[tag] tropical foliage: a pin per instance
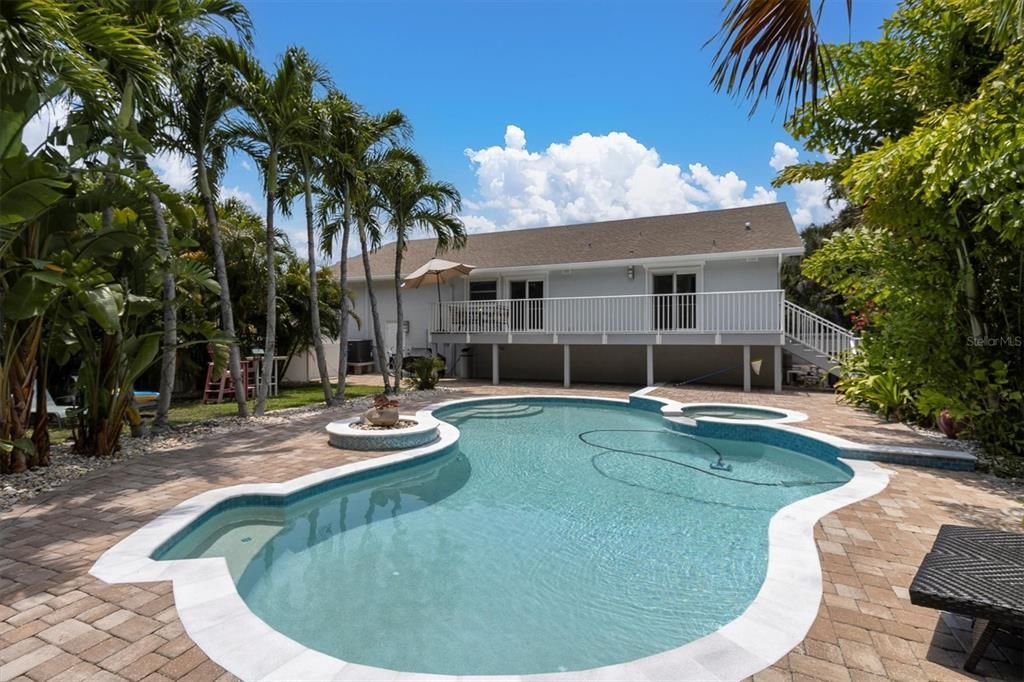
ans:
(108, 277)
(922, 133)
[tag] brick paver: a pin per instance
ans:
(57, 622)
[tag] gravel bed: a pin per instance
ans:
(66, 466)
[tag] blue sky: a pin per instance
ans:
(464, 71)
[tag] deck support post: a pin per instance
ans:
(777, 368)
(746, 369)
(566, 366)
(650, 365)
(494, 364)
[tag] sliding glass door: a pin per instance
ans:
(527, 303)
(675, 301)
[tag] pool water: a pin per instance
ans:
(731, 412)
(559, 535)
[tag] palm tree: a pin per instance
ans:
(276, 121)
(766, 43)
(361, 152)
(306, 163)
(772, 42)
(176, 27)
(413, 201)
(342, 119)
(199, 112)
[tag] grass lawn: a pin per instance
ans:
(293, 396)
(288, 396)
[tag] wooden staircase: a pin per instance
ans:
(815, 339)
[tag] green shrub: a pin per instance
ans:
(426, 372)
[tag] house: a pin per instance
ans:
(692, 297)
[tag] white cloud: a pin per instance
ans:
(237, 192)
(478, 223)
(515, 137)
(783, 155)
(811, 195)
(592, 177)
(246, 165)
(39, 127)
(172, 169)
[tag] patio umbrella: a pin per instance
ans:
(435, 271)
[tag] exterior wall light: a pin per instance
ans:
(629, 272)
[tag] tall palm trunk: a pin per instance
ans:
(378, 333)
(227, 315)
(314, 297)
(346, 233)
(399, 336)
(168, 360)
(271, 330)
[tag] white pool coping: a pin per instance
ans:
(219, 621)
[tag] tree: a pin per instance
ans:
(276, 120)
(360, 155)
(52, 50)
(203, 88)
(342, 120)
(179, 28)
(415, 202)
(306, 163)
(775, 44)
(803, 290)
(925, 137)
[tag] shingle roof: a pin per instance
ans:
(706, 232)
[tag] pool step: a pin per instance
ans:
(502, 411)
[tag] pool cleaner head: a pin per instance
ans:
(721, 465)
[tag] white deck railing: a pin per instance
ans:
(817, 333)
(705, 312)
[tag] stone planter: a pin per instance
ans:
(342, 434)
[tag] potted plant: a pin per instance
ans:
(384, 411)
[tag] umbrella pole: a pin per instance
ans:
(440, 316)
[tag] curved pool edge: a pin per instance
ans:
(219, 621)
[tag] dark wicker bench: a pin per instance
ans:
(974, 572)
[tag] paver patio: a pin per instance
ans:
(59, 623)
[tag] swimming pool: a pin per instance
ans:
(559, 534)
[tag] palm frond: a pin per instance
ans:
(772, 48)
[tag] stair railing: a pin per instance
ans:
(817, 333)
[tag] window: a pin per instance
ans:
(485, 290)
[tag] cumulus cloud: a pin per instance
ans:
(591, 178)
(172, 169)
(237, 192)
(812, 205)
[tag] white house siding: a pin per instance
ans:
(609, 363)
(416, 308)
(742, 275)
(595, 282)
